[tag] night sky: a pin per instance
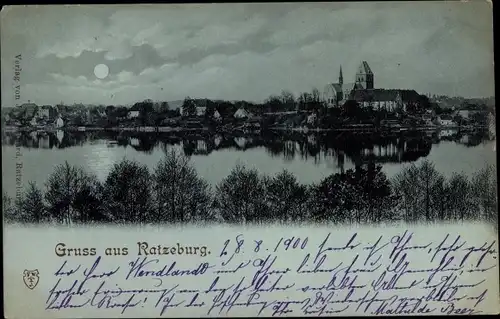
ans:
(243, 51)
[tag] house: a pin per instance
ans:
(241, 113)
(468, 114)
(430, 112)
(60, 136)
(7, 113)
(59, 122)
(387, 99)
(201, 110)
(134, 141)
(312, 118)
(379, 99)
(183, 111)
(29, 110)
(446, 120)
(132, 114)
(464, 139)
(217, 140)
(427, 118)
(170, 122)
(465, 114)
(43, 111)
(446, 133)
(46, 112)
(217, 116)
(241, 141)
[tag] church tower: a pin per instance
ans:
(364, 76)
(341, 78)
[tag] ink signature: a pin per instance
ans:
(387, 275)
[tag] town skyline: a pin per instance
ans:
(169, 52)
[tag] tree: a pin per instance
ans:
(10, 213)
(406, 189)
(226, 109)
(180, 194)
(63, 187)
(238, 197)
(427, 181)
(363, 194)
(164, 107)
(422, 191)
(439, 197)
(376, 191)
(301, 102)
(288, 100)
(32, 207)
(286, 197)
(460, 203)
(210, 110)
(274, 103)
(120, 111)
(479, 118)
(334, 199)
(352, 110)
(412, 107)
(484, 194)
(146, 112)
(188, 107)
(110, 109)
(79, 121)
(128, 192)
(174, 113)
(89, 201)
(316, 96)
(316, 103)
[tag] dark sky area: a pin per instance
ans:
(243, 51)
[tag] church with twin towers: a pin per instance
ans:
(362, 90)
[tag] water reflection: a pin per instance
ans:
(357, 147)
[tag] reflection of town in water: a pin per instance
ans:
(356, 146)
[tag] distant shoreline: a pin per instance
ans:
(162, 129)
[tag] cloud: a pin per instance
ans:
(125, 76)
(71, 81)
(169, 32)
(119, 52)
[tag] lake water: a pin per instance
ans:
(311, 157)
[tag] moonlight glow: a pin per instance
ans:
(101, 71)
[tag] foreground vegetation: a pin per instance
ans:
(174, 193)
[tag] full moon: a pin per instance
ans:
(101, 71)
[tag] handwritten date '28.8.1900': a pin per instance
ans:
(295, 276)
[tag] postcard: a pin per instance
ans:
(249, 160)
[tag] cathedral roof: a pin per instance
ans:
(352, 86)
(364, 68)
(385, 95)
(336, 87)
(345, 87)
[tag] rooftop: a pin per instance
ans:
(364, 68)
(385, 95)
